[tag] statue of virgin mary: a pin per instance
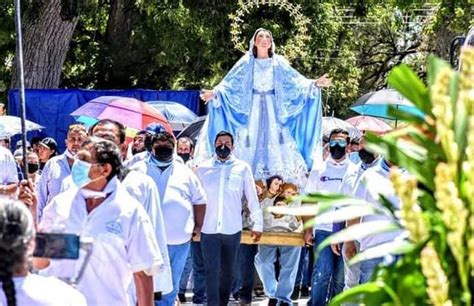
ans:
(272, 110)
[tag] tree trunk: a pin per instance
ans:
(117, 48)
(48, 27)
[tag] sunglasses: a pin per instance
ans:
(340, 142)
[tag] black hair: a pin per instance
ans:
(270, 180)
(279, 199)
(16, 224)
(188, 140)
(35, 140)
(254, 49)
(107, 152)
(164, 137)
(119, 126)
(224, 133)
(340, 131)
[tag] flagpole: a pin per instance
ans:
(21, 79)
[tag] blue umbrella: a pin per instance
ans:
(178, 115)
(377, 104)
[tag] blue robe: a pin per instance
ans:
(288, 110)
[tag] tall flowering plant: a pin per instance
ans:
(435, 265)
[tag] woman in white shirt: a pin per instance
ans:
(19, 286)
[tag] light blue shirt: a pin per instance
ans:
(52, 177)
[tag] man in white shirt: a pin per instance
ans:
(59, 167)
(226, 180)
(348, 187)
(124, 247)
(328, 270)
(8, 173)
(183, 201)
(375, 182)
(141, 187)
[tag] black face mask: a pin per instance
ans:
(185, 156)
(223, 151)
(164, 153)
(366, 156)
(337, 152)
(32, 168)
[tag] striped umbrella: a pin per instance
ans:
(131, 112)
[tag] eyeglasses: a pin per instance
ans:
(340, 142)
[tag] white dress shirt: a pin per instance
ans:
(374, 183)
(124, 242)
(52, 177)
(143, 188)
(328, 178)
(225, 184)
(44, 291)
(179, 190)
(8, 172)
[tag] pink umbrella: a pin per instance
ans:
(366, 123)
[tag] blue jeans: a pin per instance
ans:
(219, 252)
(244, 272)
(328, 272)
(188, 268)
(264, 262)
(305, 268)
(178, 255)
(199, 280)
(367, 268)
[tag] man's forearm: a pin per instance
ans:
(144, 286)
(199, 213)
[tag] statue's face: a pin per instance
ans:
(263, 40)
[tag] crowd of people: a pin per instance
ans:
(157, 217)
(160, 210)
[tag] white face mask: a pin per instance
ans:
(92, 194)
(69, 154)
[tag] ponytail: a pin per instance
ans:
(8, 285)
(16, 231)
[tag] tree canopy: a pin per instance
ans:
(187, 44)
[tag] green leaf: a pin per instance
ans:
(395, 247)
(435, 64)
(349, 212)
(409, 85)
(357, 293)
(359, 231)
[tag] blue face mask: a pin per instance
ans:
(156, 162)
(80, 173)
(354, 157)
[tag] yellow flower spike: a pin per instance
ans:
(436, 280)
(411, 213)
(453, 211)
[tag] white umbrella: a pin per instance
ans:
(11, 125)
(331, 123)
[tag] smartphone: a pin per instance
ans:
(57, 246)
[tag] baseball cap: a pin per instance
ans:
(49, 143)
(19, 144)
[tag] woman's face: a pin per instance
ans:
(263, 40)
(275, 186)
(289, 192)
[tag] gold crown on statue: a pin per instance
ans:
(295, 46)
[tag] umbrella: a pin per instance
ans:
(377, 104)
(192, 130)
(366, 123)
(331, 123)
(178, 115)
(11, 125)
(132, 113)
